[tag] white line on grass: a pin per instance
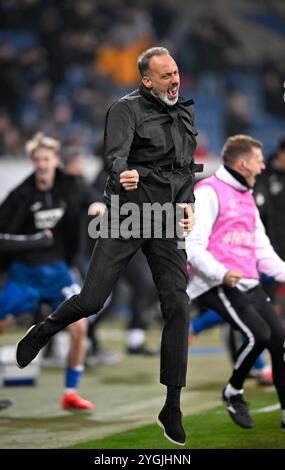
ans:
(267, 409)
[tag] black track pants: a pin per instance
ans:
(253, 315)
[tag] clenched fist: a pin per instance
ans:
(129, 179)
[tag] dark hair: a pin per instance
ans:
(144, 58)
(238, 145)
(68, 154)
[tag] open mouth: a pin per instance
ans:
(172, 92)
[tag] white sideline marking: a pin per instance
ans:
(267, 409)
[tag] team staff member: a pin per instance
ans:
(270, 199)
(227, 249)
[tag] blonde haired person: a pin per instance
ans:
(48, 200)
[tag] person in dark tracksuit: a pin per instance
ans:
(228, 249)
(149, 147)
(270, 199)
(47, 200)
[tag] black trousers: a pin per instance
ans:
(168, 266)
(253, 315)
(143, 294)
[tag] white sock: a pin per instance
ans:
(135, 338)
(230, 391)
(79, 368)
(283, 415)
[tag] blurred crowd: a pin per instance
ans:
(62, 63)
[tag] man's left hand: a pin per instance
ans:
(187, 223)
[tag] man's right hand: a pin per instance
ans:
(232, 277)
(129, 179)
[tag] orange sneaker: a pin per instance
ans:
(73, 400)
(265, 377)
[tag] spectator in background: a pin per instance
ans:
(237, 118)
(126, 41)
(11, 82)
(11, 141)
(215, 45)
(163, 14)
(108, 56)
(273, 79)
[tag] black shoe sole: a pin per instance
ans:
(166, 435)
(18, 365)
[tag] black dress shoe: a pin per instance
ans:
(143, 350)
(170, 420)
(30, 345)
